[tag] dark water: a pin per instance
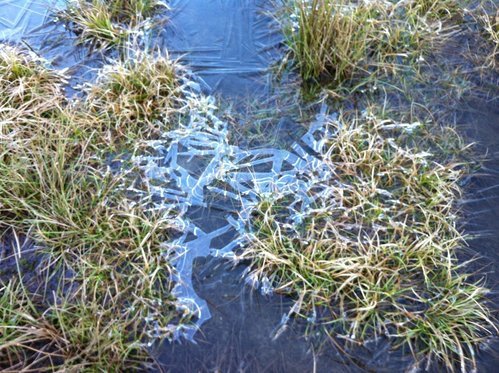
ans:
(231, 45)
(228, 43)
(481, 205)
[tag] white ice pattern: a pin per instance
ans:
(231, 173)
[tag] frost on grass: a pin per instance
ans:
(25, 80)
(371, 243)
(487, 17)
(139, 97)
(106, 24)
(351, 220)
(343, 45)
(101, 292)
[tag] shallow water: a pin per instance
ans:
(230, 45)
(481, 203)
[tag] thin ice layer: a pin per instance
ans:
(19, 18)
(227, 177)
(228, 43)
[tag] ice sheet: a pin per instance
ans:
(228, 43)
(230, 177)
(19, 18)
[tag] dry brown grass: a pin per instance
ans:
(104, 283)
(138, 96)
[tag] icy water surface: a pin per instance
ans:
(481, 203)
(230, 45)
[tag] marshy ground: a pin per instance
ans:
(366, 234)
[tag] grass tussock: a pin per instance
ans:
(138, 96)
(103, 290)
(25, 82)
(107, 306)
(377, 247)
(339, 44)
(435, 9)
(487, 16)
(103, 24)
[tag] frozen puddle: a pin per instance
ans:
(19, 18)
(227, 43)
(197, 167)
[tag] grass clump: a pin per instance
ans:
(137, 96)
(374, 245)
(26, 82)
(340, 44)
(104, 24)
(103, 289)
(109, 302)
(435, 9)
(489, 22)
